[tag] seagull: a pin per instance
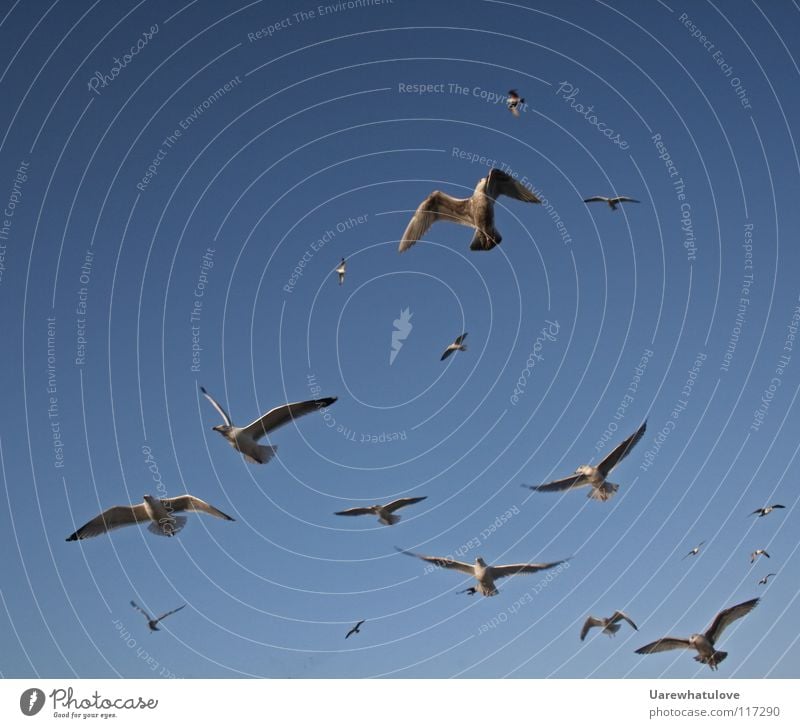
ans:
(612, 201)
(757, 553)
(695, 550)
(609, 624)
(601, 489)
(153, 622)
(765, 579)
(245, 439)
(158, 511)
(703, 643)
(513, 102)
(766, 510)
(486, 575)
(457, 345)
(476, 212)
(471, 591)
(385, 513)
(355, 630)
(341, 270)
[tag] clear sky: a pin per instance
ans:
(158, 206)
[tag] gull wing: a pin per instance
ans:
(499, 183)
(402, 503)
(449, 350)
(436, 206)
(662, 645)
(108, 520)
(137, 607)
(573, 481)
(500, 572)
(624, 199)
(588, 624)
(172, 611)
(190, 503)
(442, 561)
(726, 616)
(356, 512)
(596, 198)
(620, 616)
(610, 461)
(460, 340)
(217, 406)
(279, 416)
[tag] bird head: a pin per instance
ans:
(479, 561)
(222, 429)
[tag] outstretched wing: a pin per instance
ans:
(573, 481)
(662, 645)
(610, 461)
(356, 512)
(596, 198)
(620, 616)
(217, 406)
(442, 561)
(402, 503)
(279, 416)
(436, 206)
(137, 607)
(500, 572)
(460, 339)
(114, 517)
(726, 616)
(166, 614)
(624, 199)
(588, 624)
(500, 183)
(190, 503)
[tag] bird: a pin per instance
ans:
(153, 622)
(457, 345)
(385, 513)
(476, 211)
(355, 630)
(245, 439)
(757, 553)
(471, 591)
(609, 624)
(341, 270)
(601, 489)
(486, 575)
(766, 510)
(703, 643)
(695, 550)
(612, 201)
(157, 511)
(765, 579)
(514, 102)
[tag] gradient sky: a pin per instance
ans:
(301, 138)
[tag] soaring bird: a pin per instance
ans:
(457, 345)
(158, 512)
(695, 550)
(757, 553)
(476, 212)
(766, 510)
(609, 624)
(485, 575)
(470, 590)
(245, 439)
(153, 622)
(612, 201)
(341, 270)
(355, 630)
(385, 513)
(601, 489)
(514, 102)
(765, 579)
(703, 643)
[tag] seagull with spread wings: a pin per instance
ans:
(694, 551)
(245, 439)
(766, 510)
(385, 513)
(457, 345)
(476, 212)
(153, 622)
(514, 102)
(159, 513)
(757, 553)
(484, 574)
(596, 477)
(703, 643)
(341, 269)
(609, 624)
(355, 630)
(765, 579)
(612, 201)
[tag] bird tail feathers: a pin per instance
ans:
(167, 526)
(604, 491)
(260, 454)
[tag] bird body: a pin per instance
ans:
(385, 512)
(610, 625)
(356, 629)
(765, 579)
(152, 623)
(341, 270)
(695, 550)
(757, 553)
(513, 102)
(766, 510)
(457, 345)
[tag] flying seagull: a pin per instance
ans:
(609, 624)
(341, 270)
(457, 345)
(476, 212)
(703, 643)
(765, 579)
(514, 102)
(695, 550)
(157, 511)
(385, 513)
(245, 439)
(485, 575)
(612, 201)
(601, 489)
(757, 553)
(766, 510)
(471, 591)
(153, 622)
(355, 630)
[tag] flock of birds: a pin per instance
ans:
(476, 212)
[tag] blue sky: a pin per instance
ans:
(302, 138)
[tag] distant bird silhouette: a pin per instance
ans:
(766, 510)
(514, 102)
(612, 201)
(341, 270)
(765, 579)
(471, 591)
(703, 643)
(695, 550)
(609, 624)
(153, 622)
(385, 513)
(601, 489)
(457, 345)
(355, 630)
(757, 553)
